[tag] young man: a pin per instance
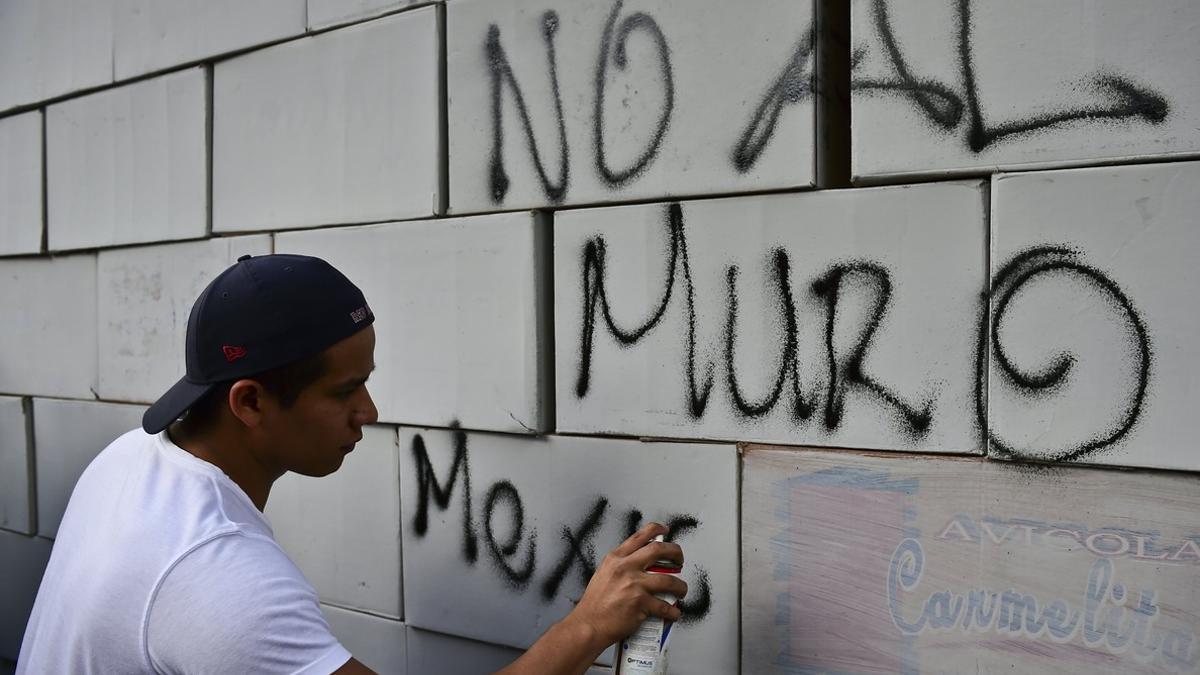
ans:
(164, 563)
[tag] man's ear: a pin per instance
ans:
(246, 401)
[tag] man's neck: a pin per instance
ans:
(231, 456)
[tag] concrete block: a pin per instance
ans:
(600, 102)
(16, 466)
(463, 330)
(128, 165)
(150, 36)
(944, 87)
(1094, 356)
(502, 532)
(22, 562)
(881, 564)
(51, 350)
(53, 47)
(67, 437)
(842, 318)
(376, 642)
(343, 530)
(430, 652)
(341, 127)
(325, 13)
(21, 183)
(145, 297)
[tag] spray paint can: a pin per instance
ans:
(645, 651)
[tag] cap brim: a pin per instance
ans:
(171, 405)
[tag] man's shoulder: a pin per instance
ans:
(236, 554)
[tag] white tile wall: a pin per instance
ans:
(47, 347)
(323, 13)
(528, 493)
(343, 531)
(377, 643)
(337, 128)
(128, 165)
(460, 331)
(53, 47)
(1133, 227)
(145, 298)
(67, 437)
(21, 183)
(153, 35)
(16, 512)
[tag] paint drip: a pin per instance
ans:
(645, 651)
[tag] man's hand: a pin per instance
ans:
(618, 598)
(620, 595)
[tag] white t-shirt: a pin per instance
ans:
(163, 565)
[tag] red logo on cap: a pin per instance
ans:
(233, 353)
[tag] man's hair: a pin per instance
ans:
(285, 383)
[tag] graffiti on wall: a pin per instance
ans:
(514, 558)
(849, 337)
(951, 102)
(794, 84)
(1116, 98)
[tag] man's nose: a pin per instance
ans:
(367, 413)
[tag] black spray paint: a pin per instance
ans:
(1120, 98)
(789, 368)
(636, 21)
(845, 371)
(595, 297)
(845, 363)
(505, 491)
(1020, 270)
(501, 74)
(578, 550)
(793, 85)
(428, 486)
(578, 542)
(612, 45)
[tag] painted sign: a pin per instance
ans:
(871, 563)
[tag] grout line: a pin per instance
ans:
(209, 80)
(983, 379)
(544, 318)
(832, 108)
(45, 243)
(443, 112)
(31, 463)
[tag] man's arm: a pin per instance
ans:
(619, 597)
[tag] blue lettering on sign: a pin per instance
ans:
(1108, 619)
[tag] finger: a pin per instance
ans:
(663, 610)
(640, 538)
(665, 583)
(653, 552)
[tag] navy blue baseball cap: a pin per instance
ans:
(261, 313)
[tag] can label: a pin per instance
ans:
(645, 651)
